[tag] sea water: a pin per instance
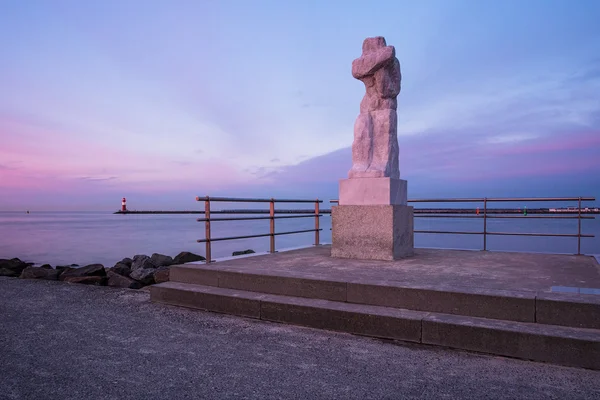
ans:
(60, 238)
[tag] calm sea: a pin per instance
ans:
(102, 237)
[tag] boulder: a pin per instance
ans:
(160, 260)
(121, 269)
(186, 257)
(242, 252)
(46, 266)
(39, 273)
(13, 267)
(142, 262)
(162, 274)
(143, 275)
(127, 261)
(86, 280)
(121, 281)
(88, 270)
(62, 267)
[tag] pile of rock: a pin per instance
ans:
(127, 273)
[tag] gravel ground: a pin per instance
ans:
(69, 341)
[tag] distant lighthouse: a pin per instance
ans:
(124, 205)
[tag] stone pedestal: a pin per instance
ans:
(372, 232)
(372, 191)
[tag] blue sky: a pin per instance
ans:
(161, 101)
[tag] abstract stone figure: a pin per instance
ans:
(375, 146)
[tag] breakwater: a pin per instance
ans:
(416, 211)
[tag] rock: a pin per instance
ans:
(143, 275)
(88, 270)
(162, 274)
(121, 269)
(142, 262)
(127, 261)
(121, 281)
(63, 269)
(46, 266)
(39, 273)
(242, 252)
(86, 280)
(67, 266)
(186, 257)
(13, 267)
(160, 260)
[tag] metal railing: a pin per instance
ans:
(494, 214)
(272, 217)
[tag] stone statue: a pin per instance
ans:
(375, 146)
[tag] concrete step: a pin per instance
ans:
(576, 347)
(572, 310)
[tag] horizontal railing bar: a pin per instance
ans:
(538, 216)
(500, 199)
(442, 215)
(540, 234)
(255, 236)
(494, 199)
(447, 216)
(509, 234)
(257, 218)
(252, 200)
(301, 231)
(452, 232)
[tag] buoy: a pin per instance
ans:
(477, 210)
(123, 205)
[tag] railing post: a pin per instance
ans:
(272, 220)
(207, 228)
(317, 239)
(485, 224)
(579, 229)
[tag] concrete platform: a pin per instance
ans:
(452, 268)
(497, 303)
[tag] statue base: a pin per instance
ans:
(372, 191)
(372, 232)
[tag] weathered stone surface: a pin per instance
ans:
(186, 257)
(144, 275)
(372, 232)
(127, 261)
(12, 267)
(142, 262)
(160, 260)
(86, 280)
(375, 146)
(116, 280)
(121, 269)
(39, 273)
(242, 252)
(373, 191)
(88, 270)
(162, 274)
(46, 266)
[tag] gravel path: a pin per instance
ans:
(69, 341)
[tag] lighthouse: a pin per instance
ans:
(123, 205)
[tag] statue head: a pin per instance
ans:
(372, 44)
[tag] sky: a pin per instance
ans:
(163, 101)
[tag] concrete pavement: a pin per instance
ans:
(69, 341)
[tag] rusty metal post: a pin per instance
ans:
(272, 230)
(579, 229)
(207, 229)
(485, 224)
(317, 239)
